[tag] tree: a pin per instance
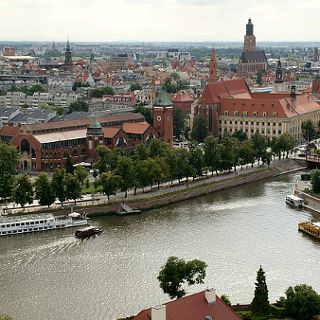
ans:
(135, 86)
(308, 130)
(68, 165)
(259, 145)
(286, 143)
(8, 166)
(79, 84)
(105, 155)
(240, 135)
(58, 185)
(315, 181)
(72, 187)
(126, 170)
(177, 272)
(146, 112)
(196, 160)
(200, 128)
(22, 190)
(301, 302)
(100, 92)
(212, 153)
(159, 170)
(142, 151)
(5, 317)
(178, 122)
(174, 83)
(246, 153)
(225, 299)
(110, 183)
(78, 105)
(81, 174)
(43, 190)
(260, 302)
(158, 148)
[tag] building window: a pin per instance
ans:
(230, 122)
(279, 124)
(235, 113)
(225, 113)
(252, 123)
(265, 114)
(255, 114)
(245, 113)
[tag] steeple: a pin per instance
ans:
(249, 38)
(212, 68)
(279, 73)
(249, 28)
(68, 55)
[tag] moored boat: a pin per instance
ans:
(87, 232)
(310, 228)
(294, 201)
(126, 210)
(39, 222)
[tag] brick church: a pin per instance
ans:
(251, 60)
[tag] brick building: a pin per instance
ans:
(251, 60)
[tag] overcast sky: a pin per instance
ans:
(158, 20)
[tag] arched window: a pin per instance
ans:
(25, 146)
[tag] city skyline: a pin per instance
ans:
(157, 21)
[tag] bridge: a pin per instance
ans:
(313, 160)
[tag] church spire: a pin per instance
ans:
(279, 73)
(68, 55)
(213, 68)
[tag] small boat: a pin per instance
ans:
(310, 228)
(126, 210)
(87, 232)
(39, 222)
(294, 201)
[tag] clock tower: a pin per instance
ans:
(249, 39)
(162, 117)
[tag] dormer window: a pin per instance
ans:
(245, 113)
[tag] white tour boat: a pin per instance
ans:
(39, 222)
(294, 201)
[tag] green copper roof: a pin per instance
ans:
(163, 99)
(94, 124)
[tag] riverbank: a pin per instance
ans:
(173, 194)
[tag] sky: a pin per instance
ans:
(158, 20)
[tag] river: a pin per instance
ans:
(53, 275)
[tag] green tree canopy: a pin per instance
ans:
(240, 135)
(110, 183)
(8, 166)
(78, 105)
(72, 187)
(81, 174)
(173, 83)
(301, 302)
(212, 153)
(135, 86)
(315, 181)
(308, 130)
(43, 190)
(179, 123)
(58, 184)
(22, 190)
(126, 170)
(146, 112)
(200, 128)
(177, 272)
(260, 302)
(79, 84)
(100, 92)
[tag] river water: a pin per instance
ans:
(55, 276)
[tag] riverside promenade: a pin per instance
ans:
(168, 193)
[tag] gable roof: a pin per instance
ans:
(193, 307)
(135, 127)
(253, 56)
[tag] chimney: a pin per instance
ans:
(158, 313)
(210, 295)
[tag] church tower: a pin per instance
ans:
(212, 68)
(68, 56)
(249, 38)
(94, 138)
(162, 117)
(279, 73)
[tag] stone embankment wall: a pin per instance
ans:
(310, 202)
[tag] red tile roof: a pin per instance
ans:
(135, 127)
(110, 132)
(193, 307)
(181, 96)
(9, 131)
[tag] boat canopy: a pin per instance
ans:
(74, 215)
(293, 197)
